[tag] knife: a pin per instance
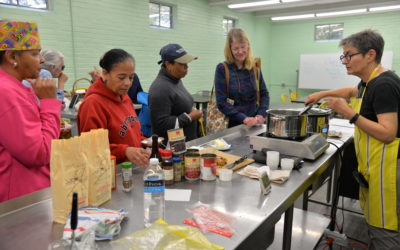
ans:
(74, 217)
(236, 162)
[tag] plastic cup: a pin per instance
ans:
(273, 159)
(225, 174)
(287, 163)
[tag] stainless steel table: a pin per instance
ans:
(31, 224)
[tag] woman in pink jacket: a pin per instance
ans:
(27, 127)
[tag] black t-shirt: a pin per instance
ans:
(381, 96)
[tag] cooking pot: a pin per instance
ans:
(318, 121)
(286, 124)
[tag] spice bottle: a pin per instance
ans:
(165, 154)
(113, 172)
(177, 162)
(126, 176)
(168, 172)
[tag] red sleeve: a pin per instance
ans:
(91, 115)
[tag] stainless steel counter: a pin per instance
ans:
(30, 226)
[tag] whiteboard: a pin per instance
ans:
(325, 71)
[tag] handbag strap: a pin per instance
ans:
(257, 73)
(226, 80)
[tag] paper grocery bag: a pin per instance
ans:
(68, 174)
(99, 164)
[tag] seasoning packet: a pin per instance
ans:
(105, 222)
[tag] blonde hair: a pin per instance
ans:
(238, 35)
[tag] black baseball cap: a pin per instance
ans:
(175, 53)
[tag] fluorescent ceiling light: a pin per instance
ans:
(252, 4)
(338, 13)
(392, 7)
(289, 1)
(281, 18)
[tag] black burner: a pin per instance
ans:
(265, 134)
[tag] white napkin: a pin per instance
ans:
(276, 176)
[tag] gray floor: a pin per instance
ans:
(354, 226)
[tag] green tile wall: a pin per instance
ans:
(290, 39)
(84, 29)
(99, 25)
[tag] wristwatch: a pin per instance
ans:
(354, 118)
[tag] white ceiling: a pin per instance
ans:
(305, 6)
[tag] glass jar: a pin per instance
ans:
(168, 172)
(177, 162)
(127, 176)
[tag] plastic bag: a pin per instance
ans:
(105, 222)
(211, 220)
(160, 235)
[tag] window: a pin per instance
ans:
(160, 15)
(328, 32)
(36, 4)
(227, 24)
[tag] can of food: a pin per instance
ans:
(208, 167)
(192, 150)
(192, 166)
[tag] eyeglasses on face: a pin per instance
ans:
(347, 57)
(242, 47)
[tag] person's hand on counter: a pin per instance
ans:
(250, 121)
(260, 119)
(138, 156)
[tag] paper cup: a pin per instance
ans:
(273, 159)
(225, 174)
(287, 163)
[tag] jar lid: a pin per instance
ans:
(126, 164)
(176, 159)
(167, 163)
(165, 152)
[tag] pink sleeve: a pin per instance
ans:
(27, 131)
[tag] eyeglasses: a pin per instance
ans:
(243, 47)
(348, 57)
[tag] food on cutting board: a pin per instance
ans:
(220, 144)
(221, 161)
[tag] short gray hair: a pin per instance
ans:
(365, 40)
(51, 57)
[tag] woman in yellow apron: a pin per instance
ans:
(374, 109)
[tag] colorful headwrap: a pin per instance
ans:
(16, 35)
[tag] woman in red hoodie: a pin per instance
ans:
(108, 106)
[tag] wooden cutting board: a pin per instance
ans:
(229, 158)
